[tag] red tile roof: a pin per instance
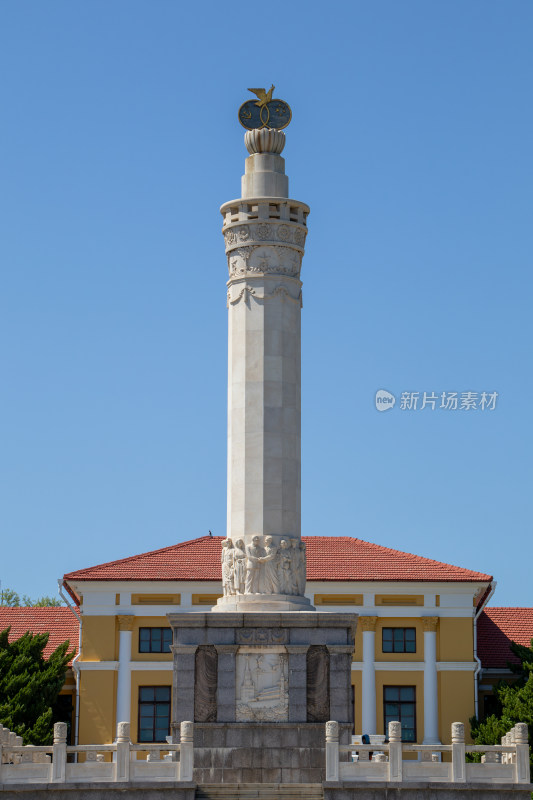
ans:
(59, 621)
(497, 628)
(329, 558)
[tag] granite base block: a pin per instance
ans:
(426, 791)
(261, 752)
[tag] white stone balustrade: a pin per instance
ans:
(118, 762)
(507, 763)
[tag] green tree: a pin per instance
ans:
(515, 700)
(30, 685)
(9, 597)
(45, 600)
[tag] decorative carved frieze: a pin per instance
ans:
(261, 635)
(271, 231)
(262, 567)
(255, 259)
(238, 292)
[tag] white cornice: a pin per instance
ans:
(417, 666)
(146, 666)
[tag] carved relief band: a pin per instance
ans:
(263, 568)
(205, 683)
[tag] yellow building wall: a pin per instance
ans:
(99, 639)
(390, 678)
(144, 678)
(357, 683)
(456, 702)
(455, 640)
(97, 706)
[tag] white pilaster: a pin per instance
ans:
(431, 704)
(125, 624)
(368, 703)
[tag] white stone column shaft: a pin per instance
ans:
(368, 701)
(264, 233)
(431, 704)
(125, 623)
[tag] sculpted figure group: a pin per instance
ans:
(263, 568)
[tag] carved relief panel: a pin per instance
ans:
(262, 684)
(205, 683)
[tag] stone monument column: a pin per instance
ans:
(264, 232)
(260, 683)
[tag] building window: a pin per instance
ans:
(154, 713)
(399, 705)
(155, 640)
(399, 640)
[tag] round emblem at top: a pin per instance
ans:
(265, 112)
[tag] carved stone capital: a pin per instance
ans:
(60, 732)
(184, 649)
(332, 731)
(458, 732)
(123, 732)
(368, 623)
(186, 731)
(395, 731)
(430, 624)
(340, 649)
(521, 733)
(226, 648)
(125, 622)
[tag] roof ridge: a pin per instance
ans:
(403, 553)
(127, 559)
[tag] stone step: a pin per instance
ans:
(260, 791)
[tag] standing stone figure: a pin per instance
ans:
(270, 561)
(239, 566)
(295, 565)
(254, 553)
(285, 567)
(227, 559)
(302, 573)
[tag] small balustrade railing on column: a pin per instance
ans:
(505, 763)
(61, 763)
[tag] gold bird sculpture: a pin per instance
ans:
(264, 97)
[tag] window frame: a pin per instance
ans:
(154, 702)
(154, 628)
(404, 641)
(400, 703)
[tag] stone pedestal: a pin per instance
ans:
(260, 688)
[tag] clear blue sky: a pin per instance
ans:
(411, 141)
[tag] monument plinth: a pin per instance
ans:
(263, 671)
